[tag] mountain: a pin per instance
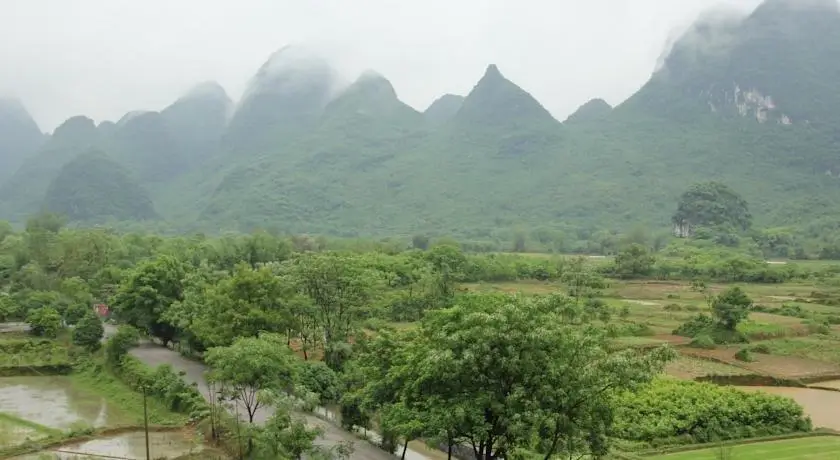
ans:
(94, 188)
(594, 110)
(198, 120)
(287, 95)
(443, 109)
(749, 101)
(23, 192)
(496, 102)
(19, 136)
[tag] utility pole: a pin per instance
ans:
(146, 423)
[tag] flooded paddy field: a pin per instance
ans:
(130, 445)
(54, 402)
(822, 406)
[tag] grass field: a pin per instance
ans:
(813, 448)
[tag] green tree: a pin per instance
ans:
(500, 371)
(251, 365)
(148, 292)
(9, 309)
(712, 204)
(88, 333)
(340, 287)
(284, 437)
(44, 322)
(120, 343)
(731, 308)
(634, 261)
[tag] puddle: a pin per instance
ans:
(822, 406)
(126, 446)
(55, 403)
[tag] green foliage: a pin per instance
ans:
(679, 412)
(703, 341)
(148, 292)
(731, 308)
(744, 354)
(32, 352)
(118, 345)
(93, 187)
(251, 365)
(164, 384)
(634, 261)
(318, 378)
(44, 322)
(88, 332)
(462, 375)
(712, 204)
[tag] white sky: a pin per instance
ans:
(103, 58)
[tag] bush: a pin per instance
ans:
(745, 355)
(318, 378)
(818, 328)
(761, 349)
(671, 411)
(832, 319)
(164, 384)
(703, 341)
(88, 333)
(692, 308)
(700, 324)
(118, 345)
(45, 322)
(672, 307)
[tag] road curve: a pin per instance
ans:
(155, 355)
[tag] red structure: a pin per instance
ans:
(101, 309)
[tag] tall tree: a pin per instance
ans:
(711, 204)
(251, 365)
(148, 292)
(508, 370)
(339, 287)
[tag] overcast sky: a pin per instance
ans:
(103, 58)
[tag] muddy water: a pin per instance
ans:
(128, 445)
(822, 406)
(55, 403)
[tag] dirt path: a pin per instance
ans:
(154, 355)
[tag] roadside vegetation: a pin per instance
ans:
(500, 355)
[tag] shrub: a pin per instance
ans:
(673, 411)
(45, 322)
(703, 341)
(700, 324)
(691, 308)
(761, 349)
(88, 333)
(832, 319)
(672, 307)
(745, 355)
(818, 328)
(318, 378)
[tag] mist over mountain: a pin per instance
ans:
(19, 136)
(94, 188)
(749, 100)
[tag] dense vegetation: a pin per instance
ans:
(494, 165)
(385, 331)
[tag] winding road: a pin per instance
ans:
(155, 355)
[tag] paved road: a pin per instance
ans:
(154, 355)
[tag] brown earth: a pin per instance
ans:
(782, 367)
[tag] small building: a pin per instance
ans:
(101, 309)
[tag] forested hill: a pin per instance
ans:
(750, 102)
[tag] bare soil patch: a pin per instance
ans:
(782, 367)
